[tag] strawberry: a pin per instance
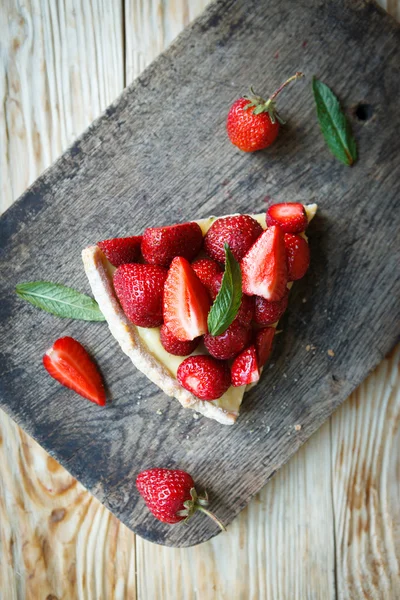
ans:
(267, 312)
(139, 289)
(228, 344)
(204, 376)
(298, 256)
(68, 362)
(186, 301)
(120, 251)
(246, 309)
(206, 269)
(264, 339)
(175, 346)
(264, 271)
(239, 232)
(253, 123)
(245, 369)
(161, 244)
(171, 496)
(290, 216)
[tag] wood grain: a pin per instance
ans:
(96, 179)
(191, 563)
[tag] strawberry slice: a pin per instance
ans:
(298, 256)
(264, 271)
(120, 251)
(186, 301)
(264, 339)
(245, 369)
(68, 362)
(290, 216)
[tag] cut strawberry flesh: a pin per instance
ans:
(186, 301)
(245, 368)
(264, 271)
(291, 217)
(68, 362)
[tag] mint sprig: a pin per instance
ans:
(60, 300)
(227, 303)
(334, 125)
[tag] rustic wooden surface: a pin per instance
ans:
(261, 535)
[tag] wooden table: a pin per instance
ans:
(327, 526)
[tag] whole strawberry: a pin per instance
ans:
(253, 123)
(171, 496)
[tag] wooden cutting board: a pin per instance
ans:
(160, 155)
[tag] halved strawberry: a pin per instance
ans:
(161, 244)
(264, 271)
(68, 362)
(238, 231)
(245, 369)
(267, 312)
(290, 216)
(139, 289)
(120, 251)
(228, 344)
(264, 339)
(298, 256)
(186, 301)
(206, 269)
(174, 346)
(204, 376)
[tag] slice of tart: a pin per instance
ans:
(156, 292)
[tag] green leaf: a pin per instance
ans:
(227, 303)
(334, 125)
(60, 300)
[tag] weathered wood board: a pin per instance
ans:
(160, 152)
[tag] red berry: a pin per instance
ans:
(171, 496)
(245, 368)
(239, 232)
(206, 269)
(228, 344)
(264, 271)
(253, 123)
(165, 491)
(247, 131)
(139, 289)
(264, 339)
(246, 309)
(290, 216)
(298, 256)
(120, 251)
(267, 312)
(204, 376)
(161, 244)
(175, 346)
(186, 301)
(68, 362)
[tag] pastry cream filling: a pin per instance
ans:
(232, 399)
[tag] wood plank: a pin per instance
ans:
(366, 468)
(57, 75)
(94, 167)
(280, 546)
(62, 64)
(151, 25)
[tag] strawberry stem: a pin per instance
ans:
(213, 517)
(292, 78)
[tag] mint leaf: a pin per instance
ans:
(227, 303)
(334, 125)
(60, 300)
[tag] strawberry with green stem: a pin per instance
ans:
(253, 123)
